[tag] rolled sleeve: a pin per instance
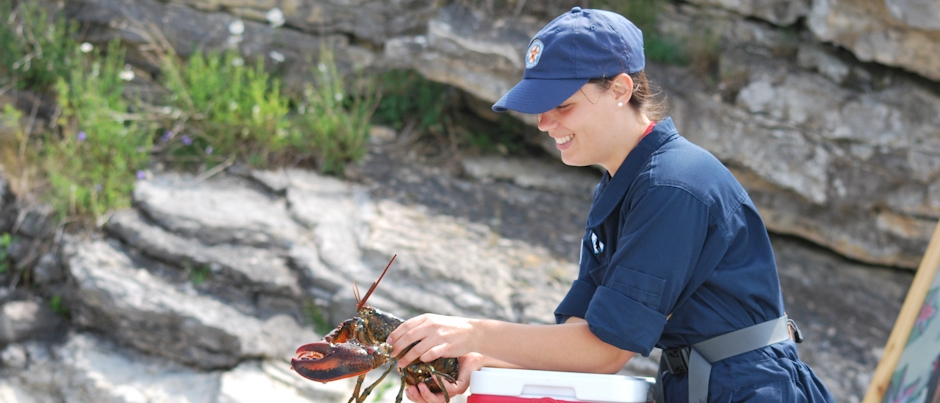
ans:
(606, 316)
(576, 302)
(657, 249)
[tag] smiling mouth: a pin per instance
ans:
(563, 140)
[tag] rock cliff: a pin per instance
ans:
(824, 109)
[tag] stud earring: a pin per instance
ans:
(619, 104)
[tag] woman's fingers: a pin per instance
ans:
(422, 393)
(433, 336)
(420, 330)
(428, 396)
(434, 352)
(401, 337)
(459, 387)
(412, 393)
(410, 356)
(418, 352)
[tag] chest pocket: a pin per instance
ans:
(641, 287)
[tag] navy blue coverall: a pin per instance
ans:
(676, 253)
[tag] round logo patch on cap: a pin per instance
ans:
(533, 54)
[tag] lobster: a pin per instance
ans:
(358, 346)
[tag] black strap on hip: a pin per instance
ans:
(697, 359)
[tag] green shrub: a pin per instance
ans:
(227, 109)
(313, 315)
(408, 99)
(381, 390)
(643, 13)
(336, 117)
(100, 150)
(35, 50)
(506, 136)
(5, 240)
(219, 108)
(199, 274)
(16, 157)
(657, 46)
(58, 305)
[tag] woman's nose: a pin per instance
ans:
(547, 121)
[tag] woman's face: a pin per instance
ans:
(585, 129)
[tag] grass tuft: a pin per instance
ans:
(410, 101)
(199, 274)
(216, 108)
(58, 305)
(5, 240)
(696, 51)
(335, 117)
(36, 49)
(227, 109)
(313, 315)
(99, 150)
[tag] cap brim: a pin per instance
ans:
(538, 95)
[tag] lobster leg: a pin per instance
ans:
(440, 382)
(355, 394)
(401, 390)
(368, 390)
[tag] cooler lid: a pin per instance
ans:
(571, 386)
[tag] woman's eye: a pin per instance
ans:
(564, 106)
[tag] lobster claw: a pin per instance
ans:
(324, 361)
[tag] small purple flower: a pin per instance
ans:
(186, 140)
(209, 150)
(141, 175)
(98, 187)
(166, 136)
(82, 136)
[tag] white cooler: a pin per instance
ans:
(499, 385)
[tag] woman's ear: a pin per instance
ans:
(622, 86)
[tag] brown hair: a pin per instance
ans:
(646, 98)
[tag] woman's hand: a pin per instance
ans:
(468, 363)
(517, 344)
(437, 336)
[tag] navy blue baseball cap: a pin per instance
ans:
(575, 47)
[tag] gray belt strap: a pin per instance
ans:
(728, 345)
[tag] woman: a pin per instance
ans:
(675, 254)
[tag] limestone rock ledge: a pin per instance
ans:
(160, 312)
(824, 108)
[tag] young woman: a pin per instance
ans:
(675, 255)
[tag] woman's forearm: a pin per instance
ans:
(566, 347)
(497, 363)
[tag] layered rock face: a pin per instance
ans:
(204, 291)
(825, 109)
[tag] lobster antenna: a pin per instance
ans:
(376, 283)
(356, 291)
